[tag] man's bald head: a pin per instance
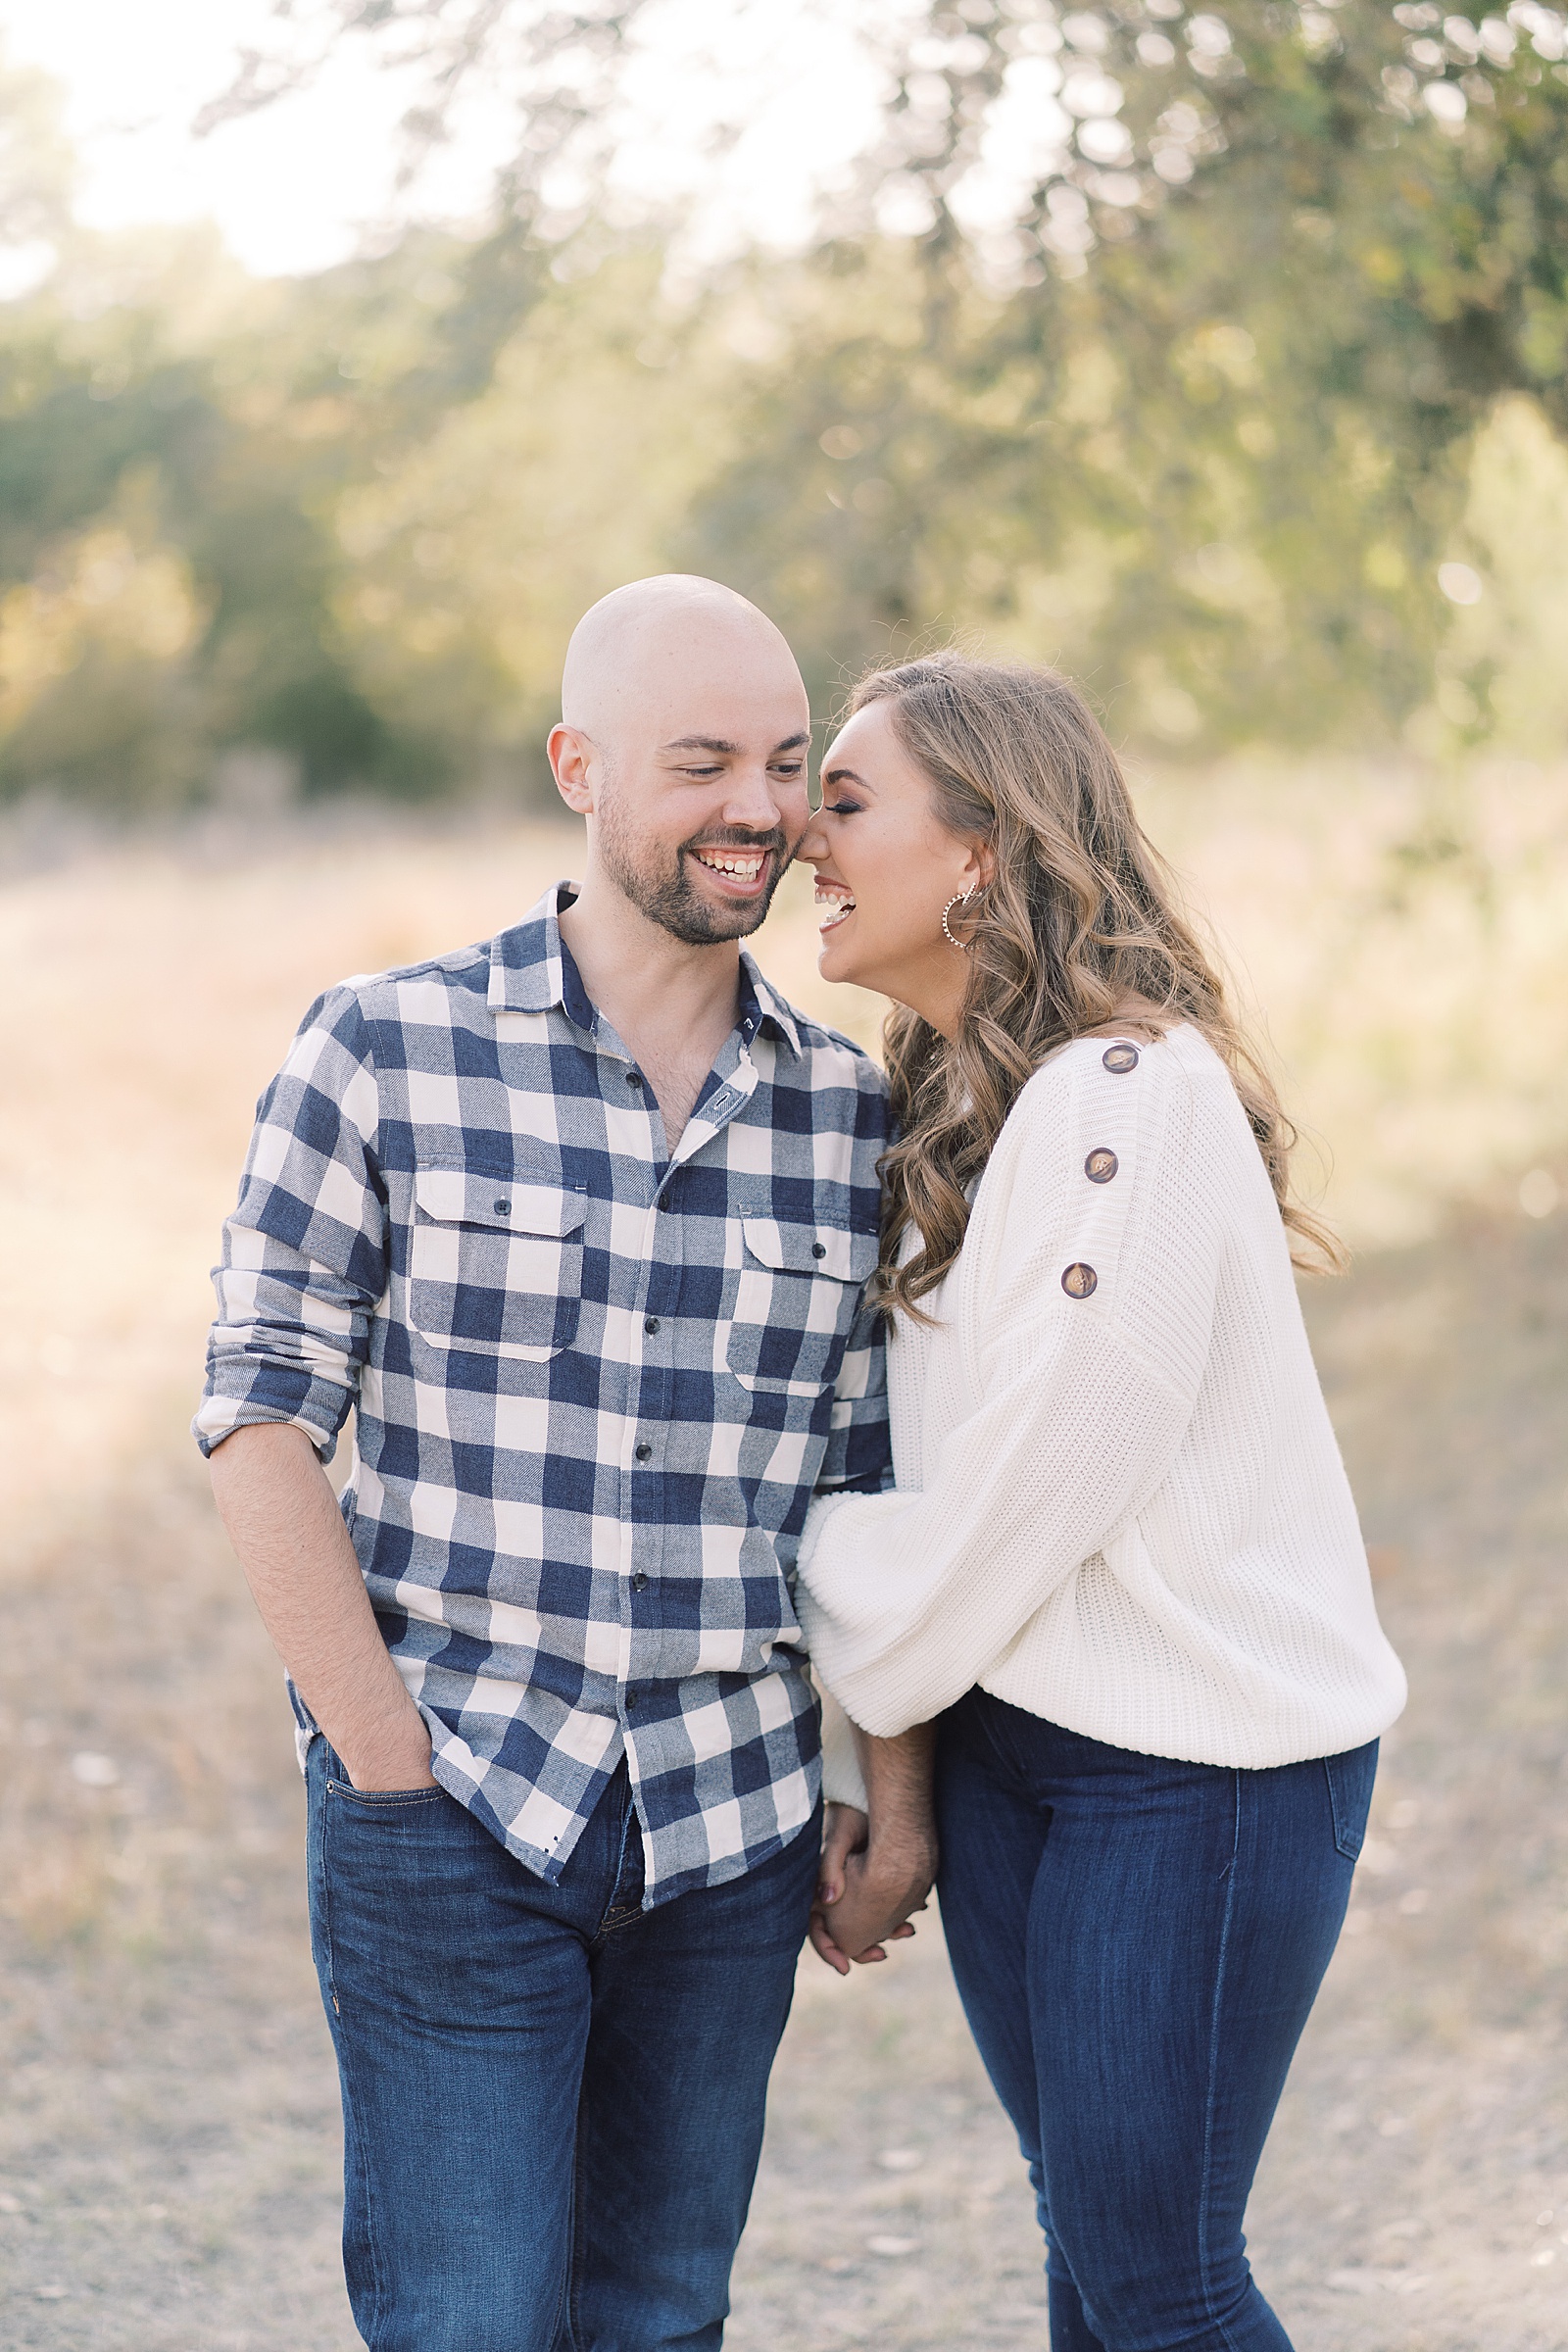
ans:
(667, 642)
(683, 739)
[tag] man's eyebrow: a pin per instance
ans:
(720, 743)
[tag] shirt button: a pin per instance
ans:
(1118, 1059)
(503, 1208)
(1079, 1281)
(645, 1453)
(639, 1582)
(1101, 1166)
(631, 1701)
(635, 1077)
(819, 1249)
(651, 1325)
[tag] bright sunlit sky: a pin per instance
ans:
(293, 187)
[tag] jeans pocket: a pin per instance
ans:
(337, 1783)
(380, 1799)
(1349, 1777)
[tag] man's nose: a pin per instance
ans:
(755, 798)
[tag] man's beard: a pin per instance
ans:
(669, 896)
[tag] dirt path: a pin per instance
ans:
(167, 2140)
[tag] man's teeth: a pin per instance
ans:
(740, 866)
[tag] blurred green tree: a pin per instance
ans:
(1204, 312)
(1206, 307)
(1187, 348)
(174, 586)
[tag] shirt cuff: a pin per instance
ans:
(220, 1416)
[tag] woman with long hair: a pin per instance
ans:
(1120, 1571)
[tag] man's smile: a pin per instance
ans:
(741, 869)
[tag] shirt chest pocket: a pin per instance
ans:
(495, 1266)
(795, 1304)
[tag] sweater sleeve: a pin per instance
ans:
(843, 1783)
(1084, 1305)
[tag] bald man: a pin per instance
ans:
(577, 1222)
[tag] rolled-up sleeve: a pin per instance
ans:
(304, 1253)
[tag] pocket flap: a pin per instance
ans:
(458, 1197)
(810, 1249)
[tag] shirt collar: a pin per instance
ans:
(531, 970)
(527, 967)
(763, 1007)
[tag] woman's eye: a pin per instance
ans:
(841, 808)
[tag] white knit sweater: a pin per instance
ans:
(1122, 1510)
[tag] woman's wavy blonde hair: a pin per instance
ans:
(1078, 928)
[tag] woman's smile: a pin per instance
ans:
(885, 869)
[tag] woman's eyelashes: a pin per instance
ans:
(842, 807)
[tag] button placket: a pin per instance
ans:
(640, 1538)
(716, 1114)
(729, 1098)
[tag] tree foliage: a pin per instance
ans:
(1206, 313)
(1161, 343)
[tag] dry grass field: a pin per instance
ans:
(168, 2136)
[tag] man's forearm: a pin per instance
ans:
(878, 1868)
(898, 1775)
(285, 1524)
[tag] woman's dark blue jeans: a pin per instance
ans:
(1138, 1943)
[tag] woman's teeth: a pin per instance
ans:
(832, 908)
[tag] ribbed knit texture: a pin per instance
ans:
(1127, 1512)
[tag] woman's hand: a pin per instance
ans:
(866, 1890)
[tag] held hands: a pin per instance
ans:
(867, 1889)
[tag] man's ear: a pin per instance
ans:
(571, 754)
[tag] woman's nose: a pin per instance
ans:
(813, 849)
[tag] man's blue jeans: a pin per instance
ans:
(1137, 1944)
(552, 2100)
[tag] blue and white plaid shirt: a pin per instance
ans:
(595, 1388)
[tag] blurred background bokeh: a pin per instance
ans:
(347, 351)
